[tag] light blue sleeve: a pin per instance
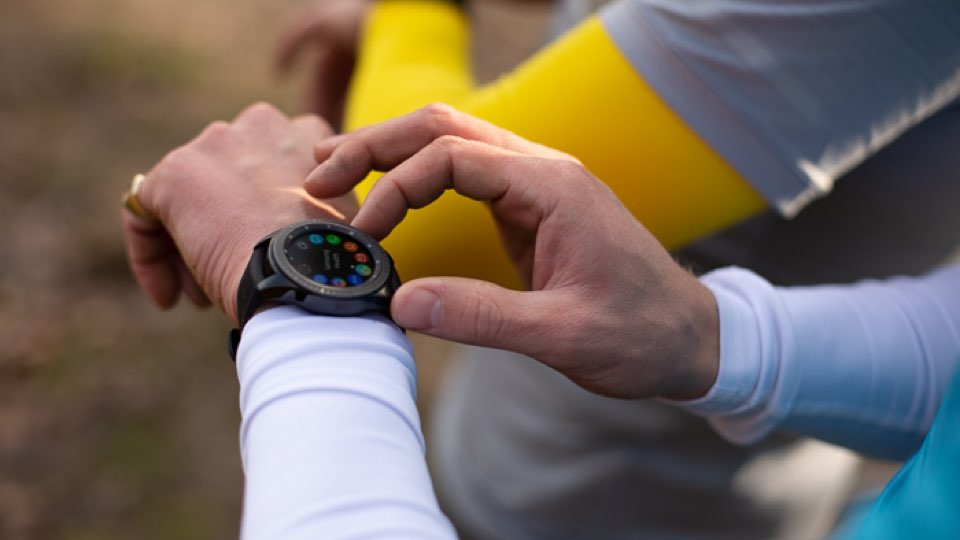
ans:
(923, 499)
(330, 435)
(864, 365)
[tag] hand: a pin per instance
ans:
(332, 28)
(216, 197)
(608, 306)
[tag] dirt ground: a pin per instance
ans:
(116, 420)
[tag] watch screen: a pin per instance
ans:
(329, 258)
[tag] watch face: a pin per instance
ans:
(331, 258)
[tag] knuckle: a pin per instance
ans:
(261, 108)
(570, 157)
(448, 143)
(439, 117)
(571, 170)
(215, 131)
(172, 163)
(316, 123)
(572, 175)
(181, 166)
(260, 113)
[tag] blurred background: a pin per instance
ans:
(117, 420)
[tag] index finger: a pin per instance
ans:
(510, 181)
(347, 159)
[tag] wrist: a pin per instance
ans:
(232, 274)
(700, 357)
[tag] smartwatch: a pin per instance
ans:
(322, 266)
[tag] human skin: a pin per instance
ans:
(331, 31)
(607, 306)
(216, 197)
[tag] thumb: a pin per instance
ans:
(473, 312)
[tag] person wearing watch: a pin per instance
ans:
(330, 436)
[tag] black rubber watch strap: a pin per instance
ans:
(248, 298)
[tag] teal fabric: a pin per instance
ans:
(923, 499)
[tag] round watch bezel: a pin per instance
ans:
(280, 263)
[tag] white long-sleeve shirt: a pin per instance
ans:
(331, 438)
(864, 366)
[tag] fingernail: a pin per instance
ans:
(420, 309)
(315, 174)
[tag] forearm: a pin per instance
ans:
(330, 437)
(864, 366)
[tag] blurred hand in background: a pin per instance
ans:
(328, 32)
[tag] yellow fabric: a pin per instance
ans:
(579, 95)
(412, 53)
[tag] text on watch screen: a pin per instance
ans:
(330, 259)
